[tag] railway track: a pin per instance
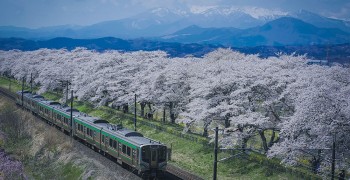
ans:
(173, 172)
(7, 93)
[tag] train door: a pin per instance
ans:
(154, 158)
(119, 149)
(106, 143)
(84, 132)
(134, 157)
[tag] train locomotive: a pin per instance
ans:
(130, 148)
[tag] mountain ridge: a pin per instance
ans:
(163, 21)
(279, 32)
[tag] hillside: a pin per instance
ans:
(280, 32)
(108, 43)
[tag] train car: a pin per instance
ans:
(130, 148)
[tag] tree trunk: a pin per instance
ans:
(172, 114)
(227, 121)
(149, 106)
(272, 139)
(150, 112)
(125, 108)
(205, 131)
(263, 139)
(244, 144)
(316, 162)
(143, 105)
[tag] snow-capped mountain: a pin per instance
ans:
(280, 32)
(255, 12)
(164, 21)
(321, 21)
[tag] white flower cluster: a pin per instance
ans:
(290, 105)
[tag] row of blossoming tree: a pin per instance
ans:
(291, 106)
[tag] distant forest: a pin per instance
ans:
(333, 53)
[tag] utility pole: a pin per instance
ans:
(135, 115)
(215, 153)
(22, 89)
(67, 92)
(333, 156)
(71, 113)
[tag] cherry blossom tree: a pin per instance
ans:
(290, 105)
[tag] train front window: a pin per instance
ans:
(145, 153)
(154, 155)
(162, 154)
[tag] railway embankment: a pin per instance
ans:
(32, 149)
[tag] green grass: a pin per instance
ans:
(52, 96)
(5, 83)
(69, 171)
(191, 156)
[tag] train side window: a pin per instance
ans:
(128, 152)
(110, 142)
(114, 144)
(124, 149)
(103, 138)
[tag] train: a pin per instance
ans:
(129, 148)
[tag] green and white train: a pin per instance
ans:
(128, 147)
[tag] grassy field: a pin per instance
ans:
(189, 155)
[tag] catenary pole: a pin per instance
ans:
(164, 114)
(135, 118)
(215, 154)
(71, 113)
(333, 156)
(31, 82)
(67, 92)
(22, 90)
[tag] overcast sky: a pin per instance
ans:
(41, 13)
